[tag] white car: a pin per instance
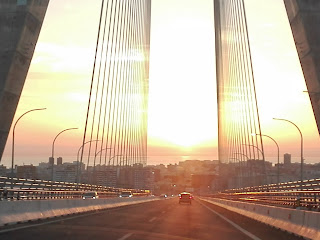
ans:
(90, 195)
(126, 194)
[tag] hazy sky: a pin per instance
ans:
(182, 96)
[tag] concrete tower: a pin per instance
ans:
(304, 18)
(20, 24)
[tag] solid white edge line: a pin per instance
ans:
(125, 236)
(249, 234)
(152, 219)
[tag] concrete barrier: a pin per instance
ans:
(300, 222)
(12, 212)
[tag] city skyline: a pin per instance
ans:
(182, 99)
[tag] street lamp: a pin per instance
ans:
(113, 158)
(77, 175)
(263, 135)
(263, 161)
(14, 127)
(94, 165)
(242, 155)
(95, 156)
(52, 155)
(256, 148)
(301, 168)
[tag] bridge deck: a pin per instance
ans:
(166, 219)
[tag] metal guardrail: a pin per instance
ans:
(309, 200)
(296, 194)
(305, 185)
(30, 189)
(5, 182)
(18, 194)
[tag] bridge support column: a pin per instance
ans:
(20, 24)
(304, 18)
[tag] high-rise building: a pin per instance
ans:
(3, 171)
(65, 172)
(143, 178)
(51, 161)
(59, 160)
(106, 177)
(287, 159)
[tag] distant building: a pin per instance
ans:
(44, 171)
(287, 159)
(59, 160)
(65, 173)
(143, 178)
(3, 171)
(157, 174)
(51, 161)
(106, 177)
(172, 168)
(27, 172)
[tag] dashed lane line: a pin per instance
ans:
(125, 236)
(152, 219)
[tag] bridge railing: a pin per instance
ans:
(295, 194)
(27, 194)
(7, 182)
(30, 189)
(309, 200)
(305, 185)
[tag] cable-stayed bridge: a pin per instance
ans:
(116, 131)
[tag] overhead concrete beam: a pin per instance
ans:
(20, 24)
(304, 18)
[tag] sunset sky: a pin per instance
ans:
(182, 96)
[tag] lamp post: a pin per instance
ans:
(14, 127)
(77, 174)
(94, 165)
(301, 168)
(250, 145)
(95, 156)
(278, 169)
(265, 180)
(52, 155)
(242, 155)
(113, 158)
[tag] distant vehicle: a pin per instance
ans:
(163, 195)
(126, 194)
(90, 195)
(185, 197)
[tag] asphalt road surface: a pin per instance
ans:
(164, 219)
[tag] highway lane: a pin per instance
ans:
(165, 219)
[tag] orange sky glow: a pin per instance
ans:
(182, 97)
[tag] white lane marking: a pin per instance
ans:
(249, 234)
(152, 219)
(125, 236)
